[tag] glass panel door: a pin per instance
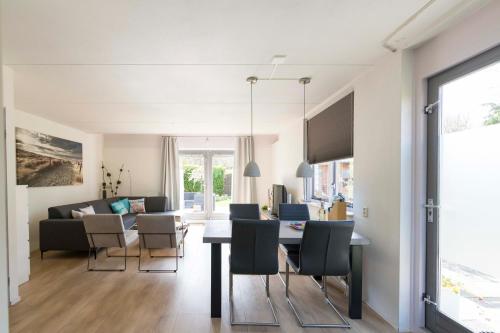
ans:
(193, 175)
(222, 181)
(206, 172)
(463, 274)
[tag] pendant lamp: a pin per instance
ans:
(304, 169)
(251, 169)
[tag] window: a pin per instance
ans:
(333, 178)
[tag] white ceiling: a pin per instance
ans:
(179, 67)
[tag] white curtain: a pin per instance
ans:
(170, 171)
(244, 188)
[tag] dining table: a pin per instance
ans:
(218, 232)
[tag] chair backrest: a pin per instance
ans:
(244, 211)
(293, 212)
(325, 248)
(254, 247)
(104, 230)
(157, 231)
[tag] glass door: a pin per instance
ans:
(463, 190)
(193, 184)
(206, 172)
(222, 181)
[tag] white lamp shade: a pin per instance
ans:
(252, 170)
(304, 170)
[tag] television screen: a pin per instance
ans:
(279, 196)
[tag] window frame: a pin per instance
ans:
(334, 177)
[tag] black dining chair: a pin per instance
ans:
(292, 212)
(244, 211)
(324, 251)
(254, 251)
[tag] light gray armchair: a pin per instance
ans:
(159, 232)
(107, 231)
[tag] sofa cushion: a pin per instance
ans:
(64, 211)
(126, 203)
(77, 214)
(100, 206)
(156, 204)
(87, 210)
(119, 208)
(137, 206)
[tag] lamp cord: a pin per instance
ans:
(304, 127)
(251, 123)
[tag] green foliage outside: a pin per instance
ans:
(218, 176)
(192, 184)
(493, 116)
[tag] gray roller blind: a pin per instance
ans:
(330, 133)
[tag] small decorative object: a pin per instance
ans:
(339, 209)
(270, 198)
(297, 225)
(45, 160)
(265, 208)
(108, 183)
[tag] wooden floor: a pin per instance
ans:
(62, 296)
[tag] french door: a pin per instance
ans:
(206, 186)
(463, 197)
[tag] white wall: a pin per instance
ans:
(41, 198)
(263, 146)
(8, 103)
(377, 153)
(466, 39)
(382, 148)
(141, 154)
(287, 155)
(4, 298)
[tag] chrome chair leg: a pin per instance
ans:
(244, 323)
(312, 278)
(160, 270)
(105, 270)
(345, 323)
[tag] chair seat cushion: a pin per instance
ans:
(293, 259)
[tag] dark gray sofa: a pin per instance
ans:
(61, 232)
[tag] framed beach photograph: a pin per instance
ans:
(45, 160)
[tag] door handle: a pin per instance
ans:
(430, 206)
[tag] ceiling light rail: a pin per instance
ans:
(278, 79)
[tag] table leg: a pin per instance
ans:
(356, 282)
(216, 281)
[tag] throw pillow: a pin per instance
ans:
(88, 210)
(119, 208)
(126, 204)
(137, 206)
(76, 214)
